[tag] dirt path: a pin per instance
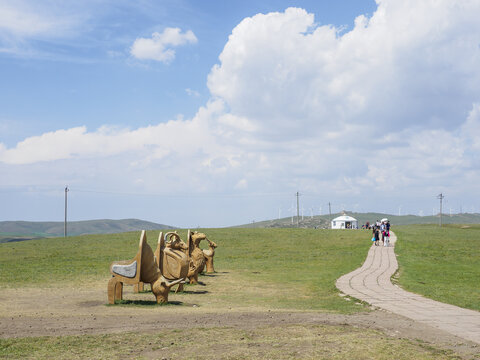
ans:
(371, 283)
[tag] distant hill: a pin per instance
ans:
(323, 221)
(26, 230)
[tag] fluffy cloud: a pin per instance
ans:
(408, 63)
(160, 46)
(389, 107)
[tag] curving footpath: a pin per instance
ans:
(371, 283)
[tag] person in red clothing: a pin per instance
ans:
(387, 234)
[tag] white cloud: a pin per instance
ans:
(191, 92)
(408, 64)
(389, 108)
(160, 46)
(25, 19)
(24, 22)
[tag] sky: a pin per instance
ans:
(215, 113)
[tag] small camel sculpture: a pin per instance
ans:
(142, 268)
(196, 258)
(170, 256)
(173, 264)
(208, 255)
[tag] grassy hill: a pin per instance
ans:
(26, 230)
(323, 221)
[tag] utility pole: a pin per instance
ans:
(440, 197)
(330, 212)
(65, 222)
(298, 208)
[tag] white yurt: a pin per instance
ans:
(344, 222)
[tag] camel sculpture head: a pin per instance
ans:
(173, 241)
(208, 255)
(195, 255)
(211, 244)
(197, 237)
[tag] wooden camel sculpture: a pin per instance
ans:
(208, 255)
(142, 268)
(170, 258)
(196, 260)
(195, 255)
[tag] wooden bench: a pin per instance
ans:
(141, 269)
(125, 272)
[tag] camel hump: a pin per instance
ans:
(149, 271)
(159, 249)
(190, 245)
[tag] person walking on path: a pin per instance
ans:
(376, 234)
(382, 230)
(387, 234)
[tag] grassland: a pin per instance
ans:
(441, 263)
(294, 268)
(258, 270)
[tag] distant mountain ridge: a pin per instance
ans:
(22, 230)
(323, 221)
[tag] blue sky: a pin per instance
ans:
(215, 113)
(87, 76)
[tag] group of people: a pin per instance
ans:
(383, 229)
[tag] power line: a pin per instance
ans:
(180, 195)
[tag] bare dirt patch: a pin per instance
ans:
(32, 312)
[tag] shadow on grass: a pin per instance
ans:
(211, 274)
(201, 292)
(152, 303)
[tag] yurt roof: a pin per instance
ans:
(344, 218)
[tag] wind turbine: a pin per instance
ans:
(292, 209)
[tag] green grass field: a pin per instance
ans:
(292, 269)
(302, 264)
(441, 263)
